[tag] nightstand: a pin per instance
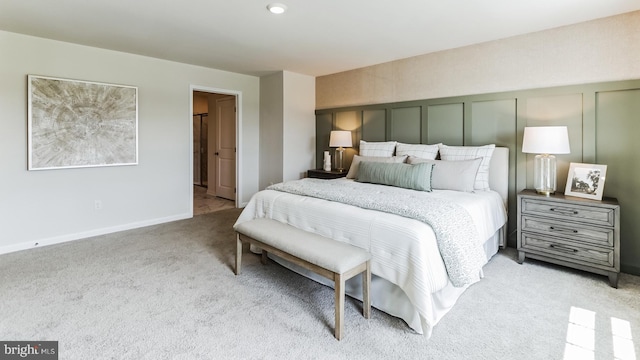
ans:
(579, 233)
(322, 174)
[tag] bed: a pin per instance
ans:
(410, 271)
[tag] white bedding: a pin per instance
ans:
(404, 251)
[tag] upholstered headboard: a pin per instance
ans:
(499, 173)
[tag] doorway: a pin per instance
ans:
(214, 150)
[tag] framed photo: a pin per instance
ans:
(76, 123)
(586, 180)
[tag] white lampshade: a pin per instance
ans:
(545, 141)
(340, 138)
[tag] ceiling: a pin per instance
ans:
(313, 37)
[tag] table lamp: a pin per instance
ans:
(545, 141)
(340, 139)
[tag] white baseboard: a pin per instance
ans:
(91, 233)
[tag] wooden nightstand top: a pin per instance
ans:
(561, 196)
(322, 174)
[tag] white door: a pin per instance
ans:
(225, 153)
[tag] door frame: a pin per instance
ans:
(238, 96)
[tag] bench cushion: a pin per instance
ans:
(327, 253)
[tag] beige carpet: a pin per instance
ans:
(168, 292)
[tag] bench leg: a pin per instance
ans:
(238, 254)
(339, 285)
(366, 285)
(264, 257)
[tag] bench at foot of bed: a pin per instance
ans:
(332, 259)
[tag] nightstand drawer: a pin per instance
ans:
(575, 231)
(564, 210)
(580, 253)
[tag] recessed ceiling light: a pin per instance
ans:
(277, 8)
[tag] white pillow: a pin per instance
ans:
(456, 153)
(451, 175)
(355, 163)
(422, 151)
(380, 149)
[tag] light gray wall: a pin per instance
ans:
(52, 206)
(287, 127)
(271, 129)
(299, 125)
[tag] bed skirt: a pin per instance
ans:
(390, 298)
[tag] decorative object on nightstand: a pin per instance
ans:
(340, 139)
(574, 232)
(323, 174)
(586, 180)
(327, 161)
(545, 141)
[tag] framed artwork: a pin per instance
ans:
(76, 124)
(586, 180)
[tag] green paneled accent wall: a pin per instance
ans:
(494, 122)
(374, 124)
(564, 110)
(348, 120)
(352, 121)
(405, 124)
(445, 123)
(603, 121)
(324, 125)
(617, 144)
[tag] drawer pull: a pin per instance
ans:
(564, 211)
(556, 229)
(562, 248)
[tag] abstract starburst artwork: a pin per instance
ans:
(81, 124)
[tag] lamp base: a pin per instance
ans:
(339, 159)
(544, 174)
(545, 192)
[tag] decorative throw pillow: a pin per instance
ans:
(380, 149)
(355, 163)
(416, 177)
(455, 153)
(422, 151)
(451, 175)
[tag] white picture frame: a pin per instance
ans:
(74, 124)
(586, 180)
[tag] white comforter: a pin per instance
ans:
(404, 251)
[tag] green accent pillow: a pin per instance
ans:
(416, 177)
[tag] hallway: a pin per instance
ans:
(204, 203)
